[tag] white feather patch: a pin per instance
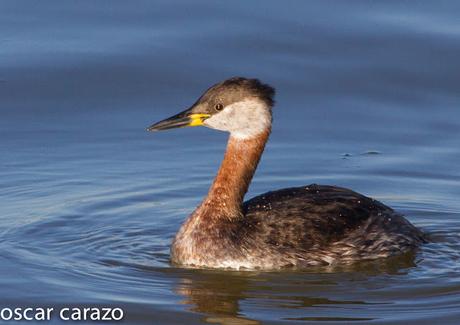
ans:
(244, 119)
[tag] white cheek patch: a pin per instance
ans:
(245, 119)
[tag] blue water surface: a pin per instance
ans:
(368, 97)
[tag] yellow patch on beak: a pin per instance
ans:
(197, 119)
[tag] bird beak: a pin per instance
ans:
(183, 119)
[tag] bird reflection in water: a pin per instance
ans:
(296, 296)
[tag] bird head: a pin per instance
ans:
(238, 105)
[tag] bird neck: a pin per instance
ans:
(225, 197)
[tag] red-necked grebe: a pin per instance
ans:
(293, 227)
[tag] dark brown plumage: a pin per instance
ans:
(236, 88)
(316, 224)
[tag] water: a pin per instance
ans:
(368, 98)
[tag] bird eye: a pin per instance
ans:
(219, 107)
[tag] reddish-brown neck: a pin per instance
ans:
(225, 197)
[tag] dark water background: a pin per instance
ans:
(368, 98)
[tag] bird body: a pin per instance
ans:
(294, 227)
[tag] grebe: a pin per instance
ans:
(292, 227)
